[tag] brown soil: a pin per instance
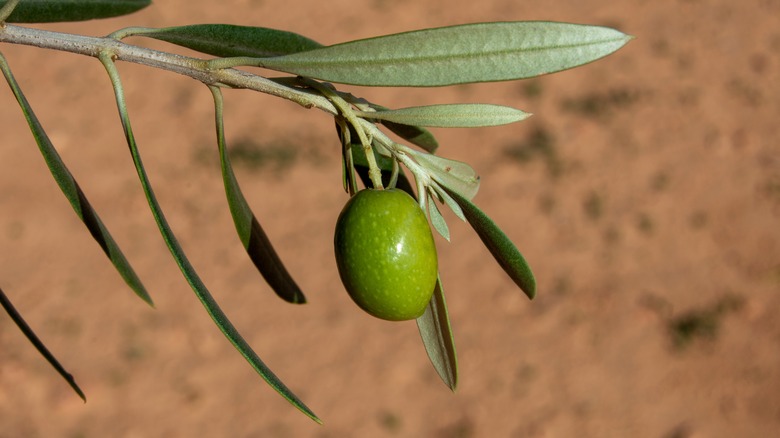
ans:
(645, 192)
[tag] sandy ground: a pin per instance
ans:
(645, 192)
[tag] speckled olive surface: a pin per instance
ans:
(385, 254)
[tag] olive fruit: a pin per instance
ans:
(385, 254)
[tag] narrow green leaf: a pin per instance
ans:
(252, 236)
(482, 52)
(503, 250)
(454, 175)
(460, 115)
(50, 11)
(451, 203)
(227, 40)
(437, 220)
(197, 285)
(436, 334)
(38, 344)
(70, 188)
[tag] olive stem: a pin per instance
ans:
(345, 109)
(348, 163)
(184, 65)
(399, 152)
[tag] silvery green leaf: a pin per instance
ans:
(437, 220)
(461, 115)
(481, 52)
(436, 334)
(454, 175)
(451, 204)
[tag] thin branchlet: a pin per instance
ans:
(188, 66)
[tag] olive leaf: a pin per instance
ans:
(72, 191)
(51, 11)
(461, 115)
(227, 40)
(437, 220)
(447, 199)
(28, 332)
(481, 52)
(197, 285)
(503, 250)
(436, 334)
(254, 239)
(455, 175)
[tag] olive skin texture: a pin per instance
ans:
(385, 254)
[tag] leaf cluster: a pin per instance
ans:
(470, 53)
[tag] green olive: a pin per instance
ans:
(385, 254)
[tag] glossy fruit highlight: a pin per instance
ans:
(385, 254)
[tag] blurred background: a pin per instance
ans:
(644, 192)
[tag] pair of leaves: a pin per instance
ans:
(454, 177)
(500, 246)
(51, 11)
(78, 200)
(251, 234)
(434, 324)
(72, 191)
(195, 282)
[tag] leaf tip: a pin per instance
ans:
(531, 292)
(628, 38)
(146, 298)
(527, 283)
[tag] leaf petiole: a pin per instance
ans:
(346, 111)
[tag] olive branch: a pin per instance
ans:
(481, 52)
